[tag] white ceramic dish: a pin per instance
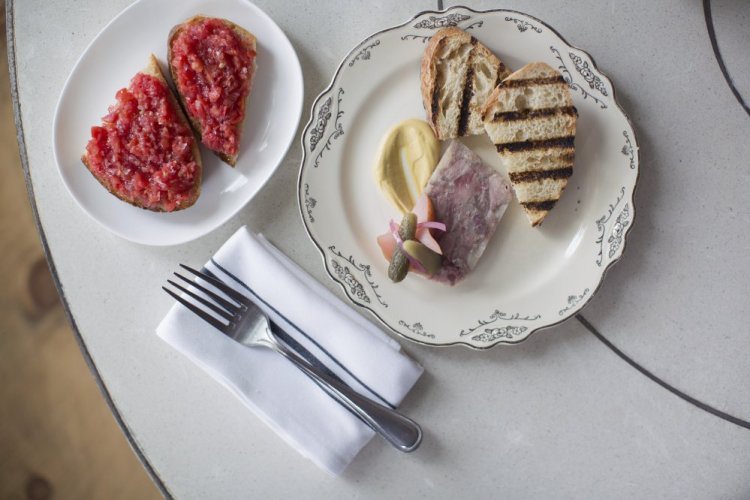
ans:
(108, 64)
(529, 278)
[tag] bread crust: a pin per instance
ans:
(153, 68)
(461, 115)
(428, 70)
(251, 42)
(491, 101)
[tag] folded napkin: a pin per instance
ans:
(274, 389)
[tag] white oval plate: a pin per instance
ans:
(529, 278)
(116, 55)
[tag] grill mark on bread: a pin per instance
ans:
(538, 175)
(542, 206)
(468, 91)
(513, 147)
(463, 117)
(509, 116)
(500, 72)
(435, 104)
(528, 82)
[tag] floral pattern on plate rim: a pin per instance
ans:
(601, 226)
(351, 283)
(568, 76)
(323, 116)
(522, 25)
(435, 23)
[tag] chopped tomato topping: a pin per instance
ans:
(141, 151)
(214, 69)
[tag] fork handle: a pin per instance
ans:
(402, 432)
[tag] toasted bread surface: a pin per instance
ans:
(457, 75)
(531, 119)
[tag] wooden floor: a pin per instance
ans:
(57, 436)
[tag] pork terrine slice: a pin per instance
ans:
(470, 198)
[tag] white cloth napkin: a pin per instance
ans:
(281, 395)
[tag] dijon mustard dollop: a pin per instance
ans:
(408, 155)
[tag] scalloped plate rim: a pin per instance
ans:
(573, 311)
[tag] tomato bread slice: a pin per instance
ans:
(212, 64)
(144, 152)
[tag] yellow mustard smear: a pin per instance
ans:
(408, 155)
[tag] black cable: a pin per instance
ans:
(719, 58)
(673, 390)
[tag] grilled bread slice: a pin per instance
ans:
(457, 73)
(531, 119)
(145, 152)
(212, 64)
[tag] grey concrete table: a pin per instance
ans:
(644, 395)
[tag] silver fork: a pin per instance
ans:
(248, 325)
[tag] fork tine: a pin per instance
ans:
(229, 306)
(218, 284)
(197, 310)
(221, 312)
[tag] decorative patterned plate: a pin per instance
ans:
(529, 278)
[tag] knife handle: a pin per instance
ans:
(400, 431)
